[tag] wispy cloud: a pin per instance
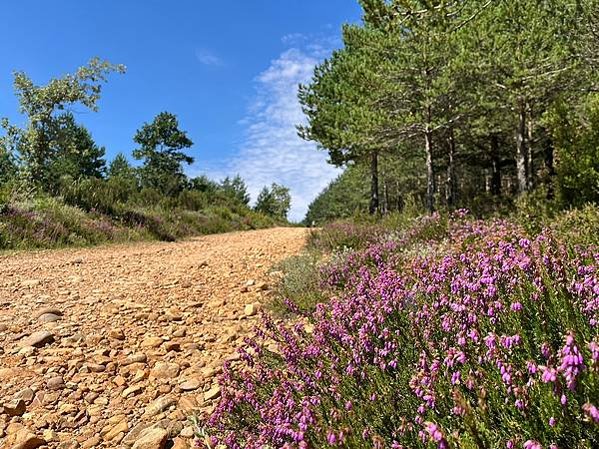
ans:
(271, 151)
(207, 57)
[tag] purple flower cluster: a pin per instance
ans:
(485, 338)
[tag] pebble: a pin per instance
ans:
(152, 342)
(165, 370)
(15, 407)
(49, 318)
(153, 438)
(159, 405)
(250, 309)
(213, 393)
(190, 385)
(55, 383)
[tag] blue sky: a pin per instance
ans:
(229, 70)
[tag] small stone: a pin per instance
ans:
(165, 370)
(172, 346)
(180, 443)
(180, 333)
(262, 286)
(136, 358)
(37, 339)
(159, 405)
(117, 334)
(119, 381)
(96, 367)
(26, 394)
(48, 318)
(190, 385)
(4, 328)
(15, 408)
(49, 435)
(24, 439)
(113, 432)
(250, 309)
(131, 390)
(91, 442)
(154, 438)
(55, 383)
(213, 393)
(187, 432)
(152, 342)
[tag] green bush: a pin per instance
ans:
(299, 287)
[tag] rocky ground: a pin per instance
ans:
(118, 346)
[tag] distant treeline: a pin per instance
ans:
(52, 156)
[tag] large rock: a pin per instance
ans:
(153, 438)
(23, 439)
(37, 339)
(15, 408)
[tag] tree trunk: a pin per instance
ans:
(529, 158)
(430, 173)
(495, 166)
(385, 207)
(450, 179)
(521, 153)
(374, 183)
(550, 166)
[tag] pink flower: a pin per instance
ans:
(531, 444)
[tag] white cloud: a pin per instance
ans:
(271, 151)
(206, 57)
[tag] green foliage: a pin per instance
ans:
(160, 148)
(575, 134)
(50, 131)
(236, 189)
(274, 201)
(448, 85)
(299, 284)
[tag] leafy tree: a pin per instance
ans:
(77, 155)
(161, 144)
(8, 166)
(236, 189)
(39, 142)
(274, 201)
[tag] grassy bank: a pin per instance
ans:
(49, 222)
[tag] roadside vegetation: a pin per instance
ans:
(448, 332)
(57, 188)
(450, 296)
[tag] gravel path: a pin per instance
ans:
(116, 346)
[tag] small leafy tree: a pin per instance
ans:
(274, 201)
(161, 144)
(122, 177)
(40, 141)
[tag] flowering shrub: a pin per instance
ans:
(488, 339)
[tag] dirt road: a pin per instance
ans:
(117, 346)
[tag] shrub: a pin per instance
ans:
(299, 289)
(489, 339)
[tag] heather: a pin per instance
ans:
(43, 221)
(450, 332)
